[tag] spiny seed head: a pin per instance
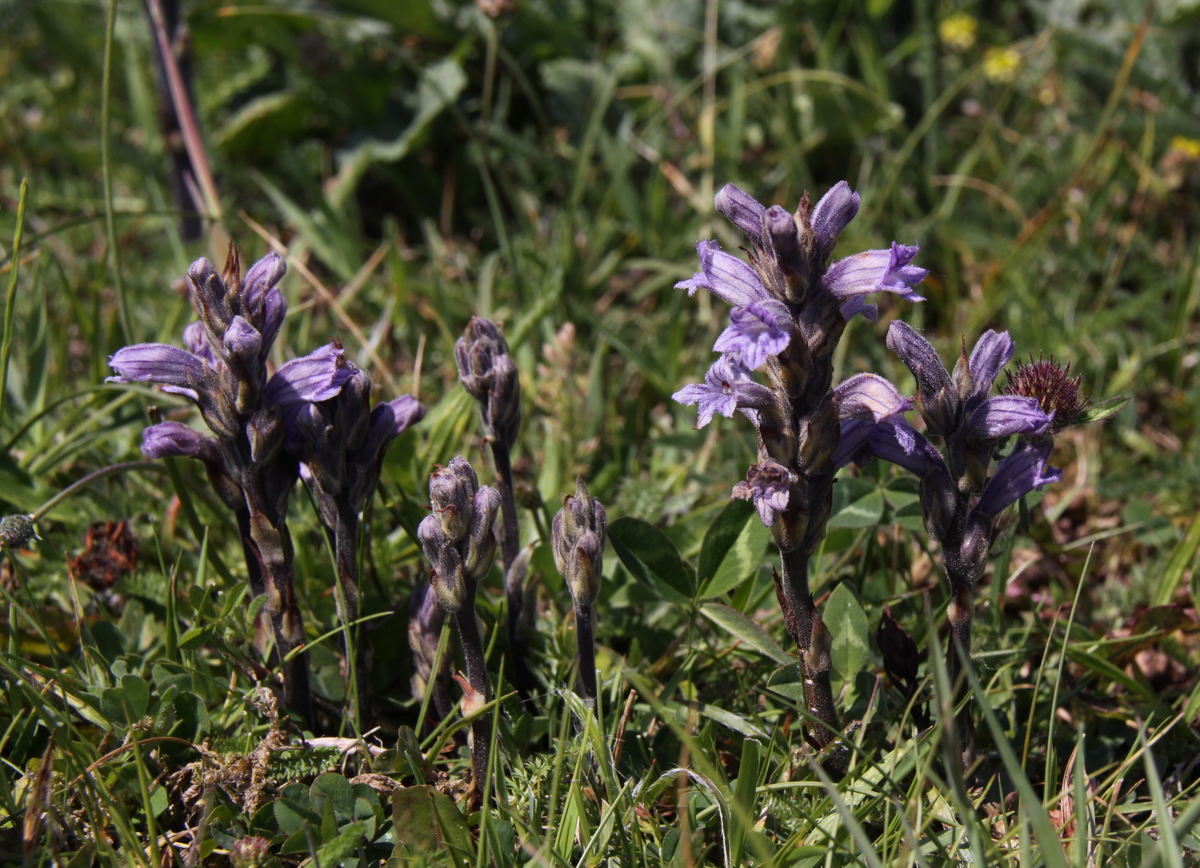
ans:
(1052, 386)
(16, 531)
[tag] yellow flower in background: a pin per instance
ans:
(958, 31)
(1000, 65)
(1185, 147)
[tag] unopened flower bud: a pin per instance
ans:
(577, 537)
(489, 374)
(452, 491)
(939, 504)
(481, 541)
(457, 537)
(208, 292)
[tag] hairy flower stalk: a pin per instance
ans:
(959, 499)
(577, 537)
(457, 538)
(790, 309)
(224, 372)
(341, 445)
(489, 375)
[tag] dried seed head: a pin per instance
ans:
(1052, 386)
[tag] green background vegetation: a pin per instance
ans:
(552, 168)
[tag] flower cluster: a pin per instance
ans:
(790, 307)
(262, 424)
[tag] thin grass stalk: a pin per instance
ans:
(110, 225)
(11, 299)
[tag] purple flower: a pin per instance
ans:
(159, 363)
(1017, 475)
(869, 397)
(1005, 415)
(767, 485)
(893, 440)
(742, 210)
(725, 276)
(316, 377)
(757, 330)
(833, 214)
(877, 271)
(992, 352)
(176, 440)
(727, 386)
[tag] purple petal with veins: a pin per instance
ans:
(833, 214)
(316, 377)
(992, 352)
(260, 278)
(727, 387)
(1016, 476)
(1005, 415)
(869, 397)
(757, 330)
(176, 440)
(727, 277)
(157, 363)
(877, 271)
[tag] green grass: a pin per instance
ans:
(552, 169)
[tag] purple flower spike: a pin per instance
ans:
(833, 214)
(877, 271)
(992, 352)
(157, 363)
(742, 210)
(725, 276)
(1016, 476)
(176, 440)
(758, 330)
(1005, 415)
(869, 397)
(727, 386)
(316, 377)
(767, 485)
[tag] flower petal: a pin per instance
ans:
(242, 339)
(920, 357)
(727, 386)
(727, 277)
(260, 279)
(1017, 475)
(316, 377)
(176, 440)
(1005, 415)
(768, 486)
(833, 214)
(992, 352)
(742, 210)
(877, 271)
(869, 397)
(757, 330)
(157, 363)
(897, 442)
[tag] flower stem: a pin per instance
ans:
(477, 678)
(514, 592)
(345, 543)
(585, 631)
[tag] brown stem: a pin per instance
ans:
(345, 537)
(961, 613)
(586, 636)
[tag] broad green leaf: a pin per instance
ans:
(856, 503)
(847, 623)
(745, 629)
(653, 560)
(343, 845)
(733, 548)
(292, 816)
(788, 682)
(424, 819)
(137, 695)
(334, 788)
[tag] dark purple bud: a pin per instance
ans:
(818, 434)
(768, 486)
(260, 280)
(481, 541)
(577, 540)
(209, 295)
(785, 245)
(457, 537)
(176, 440)
(316, 377)
(742, 210)
(489, 374)
(832, 215)
(274, 310)
(242, 340)
(992, 352)
(452, 492)
(937, 397)
(976, 544)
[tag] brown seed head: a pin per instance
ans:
(1052, 386)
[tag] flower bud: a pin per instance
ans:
(458, 537)
(208, 293)
(489, 374)
(939, 504)
(577, 538)
(452, 491)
